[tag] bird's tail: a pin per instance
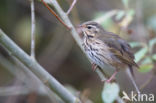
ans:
(130, 73)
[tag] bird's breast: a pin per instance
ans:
(97, 52)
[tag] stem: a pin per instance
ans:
(71, 7)
(13, 90)
(32, 29)
(21, 72)
(57, 17)
(74, 33)
(132, 79)
(37, 69)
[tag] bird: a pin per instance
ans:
(103, 47)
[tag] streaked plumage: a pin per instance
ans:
(104, 47)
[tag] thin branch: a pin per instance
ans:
(32, 29)
(73, 31)
(37, 69)
(13, 90)
(57, 17)
(132, 80)
(71, 7)
(101, 75)
(22, 73)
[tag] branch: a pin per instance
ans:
(132, 80)
(57, 17)
(37, 69)
(71, 7)
(13, 90)
(74, 33)
(32, 29)
(21, 72)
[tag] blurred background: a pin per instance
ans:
(58, 53)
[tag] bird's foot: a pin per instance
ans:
(112, 77)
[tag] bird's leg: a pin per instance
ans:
(94, 66)
(112, 77)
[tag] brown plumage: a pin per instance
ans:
(104, 47)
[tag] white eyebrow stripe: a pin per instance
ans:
(92, 26)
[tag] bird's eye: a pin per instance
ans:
(89, 27)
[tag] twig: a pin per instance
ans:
(22, 73)
(12, 98)
(101, 75)
(132, 80)
(32, 29)
(13, 90)
(71, 7)
(37, 69)
(57, 17)
(74, 33)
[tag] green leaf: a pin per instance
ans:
(131, 12)
(104, 19)
(154, 57)
(104, 16)
(128, 18)
(152, 43)
(134, 44)
(141, 54)
(146, 67)
(151, 22)
(120, 15)
(110, 92)
(125, 2)
(147, 60)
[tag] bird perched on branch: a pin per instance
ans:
(104, 47)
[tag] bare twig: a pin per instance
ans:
(132, 80)
(13, 90)
(12, 98)
(101, 75)
(74, 33)
(37, 69)
(71, 7)
(32, 29)
(22, 73)
(57, 17)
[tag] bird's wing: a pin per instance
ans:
(118, 47)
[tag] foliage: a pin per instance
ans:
(144, 54)
(110, 92)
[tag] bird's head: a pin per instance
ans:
(91, 29)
